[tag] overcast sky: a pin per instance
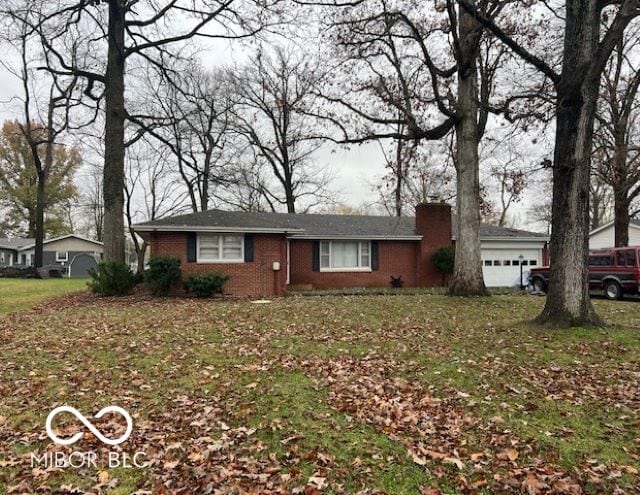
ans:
(355, 169)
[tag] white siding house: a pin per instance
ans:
(603, 236)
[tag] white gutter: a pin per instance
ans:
(356, 237)
(517, 239)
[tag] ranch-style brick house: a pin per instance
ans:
(266, 253)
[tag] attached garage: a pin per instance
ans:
(502, 260)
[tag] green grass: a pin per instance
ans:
(342, 388)
(16, 294)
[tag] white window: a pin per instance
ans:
(62, 256)
(2, 257)
(345, 256)
(220, 248)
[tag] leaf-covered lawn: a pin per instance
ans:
(396, 394)
(18, 294)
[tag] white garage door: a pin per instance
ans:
(501, 267)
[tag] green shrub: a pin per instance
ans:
(162, 275)
(206, 285)
(111, 278)
(444, 259)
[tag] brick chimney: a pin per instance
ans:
(433, 222)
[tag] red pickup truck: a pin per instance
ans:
(616, 271)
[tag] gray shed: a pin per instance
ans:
(81, 264)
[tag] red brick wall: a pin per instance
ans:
(409, 259)
(255, 278)
(433, 221)
(395, 258)
(545, 254)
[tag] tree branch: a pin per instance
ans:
(518, 49)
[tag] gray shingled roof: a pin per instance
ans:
(491, 231)
(313, 225)
(15, 243)
(306, 224)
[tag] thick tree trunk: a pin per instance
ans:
(113, 185)
(31, 229)
(467, 279)
(399, 178)
(41, 191)
(398, 198)
(141, 251)
(621, 218)
(595, 209)
(206, 173)
(568, 302)
(41, 199)
(291, 205)
(288, 191)
(620, 189)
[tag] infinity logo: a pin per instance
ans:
(93, 429)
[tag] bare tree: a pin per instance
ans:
(589, 39)
(130, 30)
(276, 96)
(616, 159)
(417, 173)
(190, 118)
(247, 180)
(151, 191)
(540, 212)
(413, 91)
(92, 203)
(512, 180)
(600, 202)
(46, 119)
(398, 162)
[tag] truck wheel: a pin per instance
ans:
(538, 285)
(612, 290)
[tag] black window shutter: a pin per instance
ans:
(375, 257)
(192, 243)
(316, 256)
(248, 247)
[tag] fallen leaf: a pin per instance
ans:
(533, 485)
(508, 454)
(317, 481)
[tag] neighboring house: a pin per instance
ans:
(264, 253)
(9, 248)
(604, 236)
(77, 254)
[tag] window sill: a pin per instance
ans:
(345, 270)
(219, 262)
